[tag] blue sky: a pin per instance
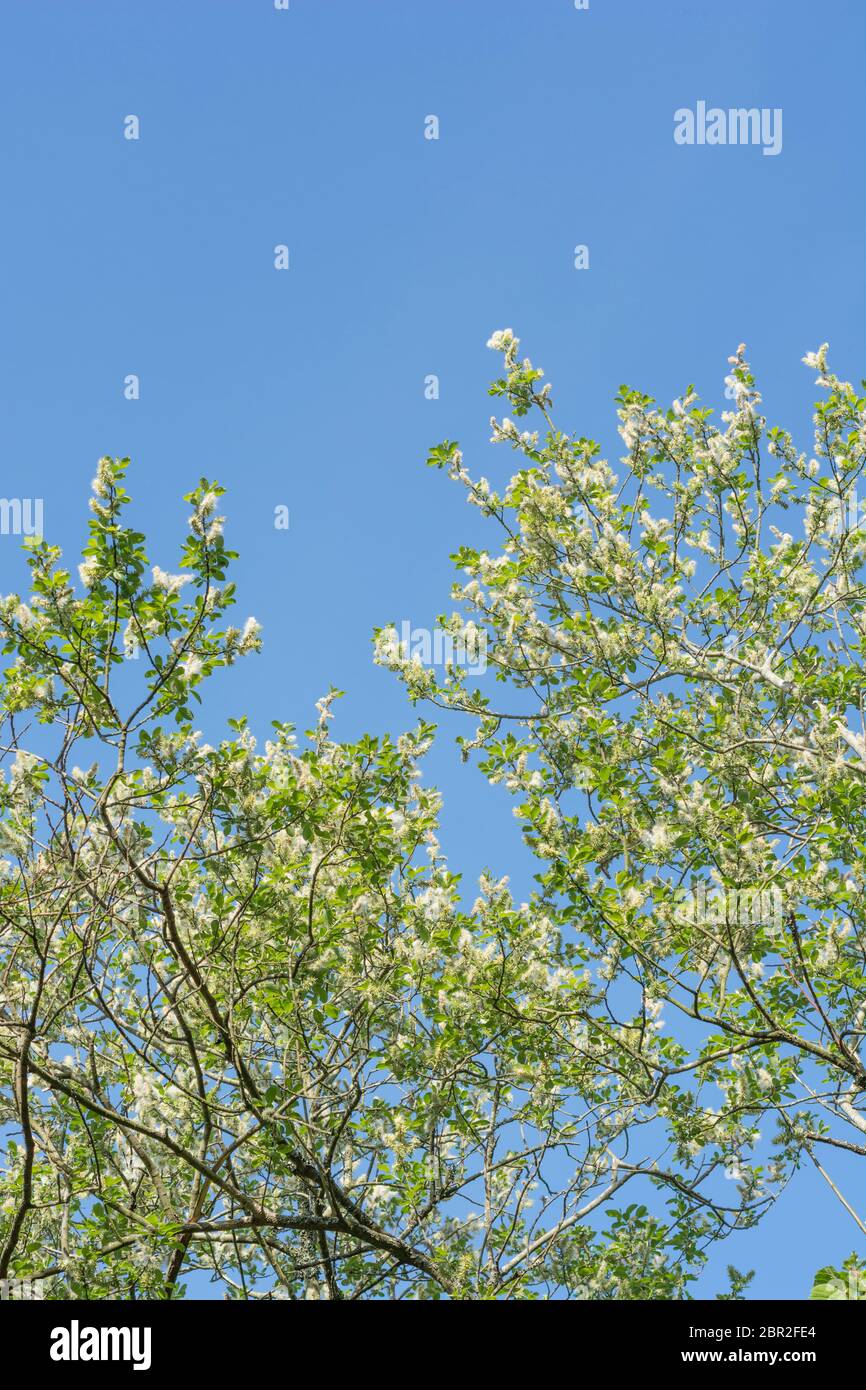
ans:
(305, 388)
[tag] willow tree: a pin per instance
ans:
(679, 651)
(250, 1030)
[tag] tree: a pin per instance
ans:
(246, 1026)
(682, 722)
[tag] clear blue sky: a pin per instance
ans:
(306, 387)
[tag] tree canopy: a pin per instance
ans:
(252, 1023)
